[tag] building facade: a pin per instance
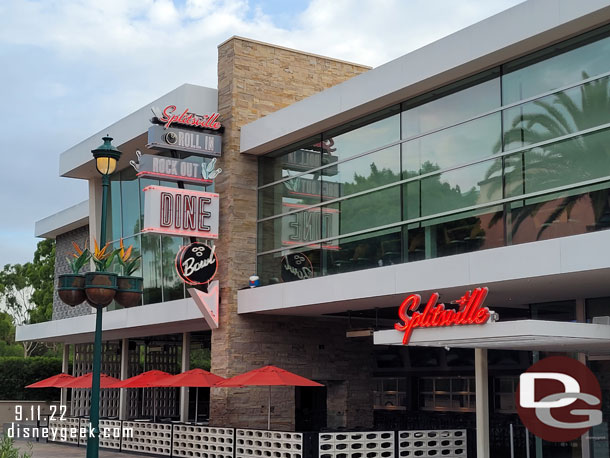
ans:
(479, 160)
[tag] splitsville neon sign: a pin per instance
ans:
(471, 311)
(186, 118)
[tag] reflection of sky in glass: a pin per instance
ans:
(367, 137)
(452, 108)
(556, 71)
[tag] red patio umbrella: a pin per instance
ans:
(195, 378)
(268, 376)
(144, 380)
(56, 381)
(84, 381)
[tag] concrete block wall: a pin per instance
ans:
(63, 250)
(255, 79)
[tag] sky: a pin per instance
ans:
(70, 68)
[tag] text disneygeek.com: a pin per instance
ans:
(63, 433)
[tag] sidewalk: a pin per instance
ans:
(50, 450)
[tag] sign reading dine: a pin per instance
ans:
(470, 311)
(180, 212)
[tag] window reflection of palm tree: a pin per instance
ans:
(550, 166)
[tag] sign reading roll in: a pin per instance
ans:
(196, 263)
(196, 142)
(180, 212)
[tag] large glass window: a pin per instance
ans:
(374, 249)
(303, 156)
(126, 213)
(555, 67)
(361, 139)
(476, 184)
(453, 146)
(451, 171)
(130, 200)
(364, 212)
(362, 173)
(291, 194)
(479, 95)
(559, 114)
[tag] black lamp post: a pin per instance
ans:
(106, 158)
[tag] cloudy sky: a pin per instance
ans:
(72, 67)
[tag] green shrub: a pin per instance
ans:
(8, 449)
(17, 372)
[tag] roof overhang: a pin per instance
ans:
(61, 222)
(520, 30)
(530, 335)
(131, 132)
(149, 320)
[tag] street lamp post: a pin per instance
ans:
(106, 158)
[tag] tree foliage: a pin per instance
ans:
(26, 291)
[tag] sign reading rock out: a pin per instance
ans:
(191, 170)
(180, 212)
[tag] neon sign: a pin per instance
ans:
(186, 118)
(181, 212)
(471, 311)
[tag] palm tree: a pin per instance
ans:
(577, 159)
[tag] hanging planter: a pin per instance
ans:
(100, 288)
(129, 293)
(70, 287)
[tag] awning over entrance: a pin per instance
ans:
(533, 335)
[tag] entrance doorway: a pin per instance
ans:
(310, 408)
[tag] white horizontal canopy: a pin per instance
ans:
(535, 335)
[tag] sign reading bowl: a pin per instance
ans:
(559, 399)
(180, 212)
(196, 263)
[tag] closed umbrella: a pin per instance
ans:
(84, 381)
(56, 381)
(194, 378)
(268, 376)
(144, 380)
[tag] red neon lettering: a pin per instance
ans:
(471, 311)
(189, 119)
(166, 209)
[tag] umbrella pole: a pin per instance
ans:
(269, 410)
(154, 405)
(196, 402)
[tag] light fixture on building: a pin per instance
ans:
(368, 332)
(106, 157)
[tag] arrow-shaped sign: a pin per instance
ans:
(208, 302)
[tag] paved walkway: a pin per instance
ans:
(42, 450)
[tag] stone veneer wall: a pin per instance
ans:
(255, 79)
(63, 250)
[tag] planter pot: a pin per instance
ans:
(129, 292)
(100, 288)
(70, 288)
